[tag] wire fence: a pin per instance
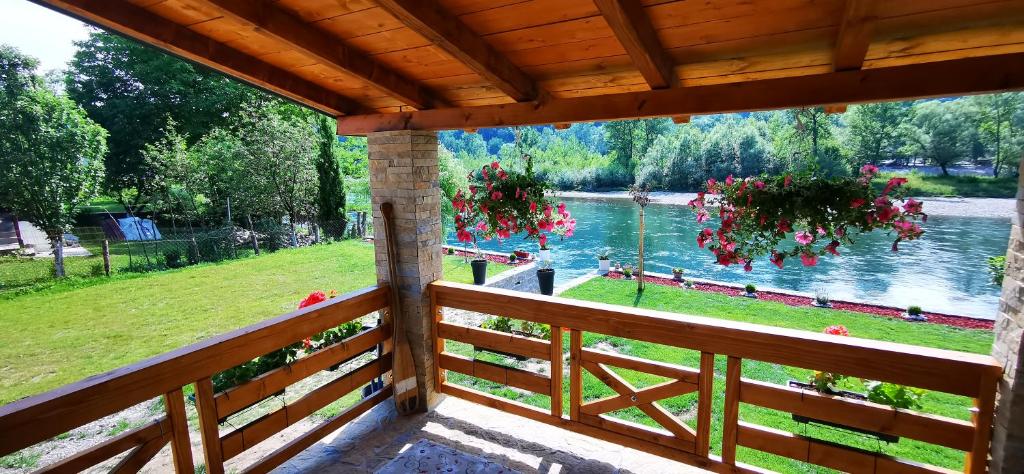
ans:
(97, 251)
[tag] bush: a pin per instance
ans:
(997, 268)
(172, 258)
(914, 310)
(750, 288)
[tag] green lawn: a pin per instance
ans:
(64, 333)
(920, 185)
(761, 312)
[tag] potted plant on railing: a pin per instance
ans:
(603, 261)
(914, 313)
(677, 274)
(758, 214)
(519, 328)
(750, 291)
(546, 277)
(500, 203)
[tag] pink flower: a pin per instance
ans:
(809, 259)
(495, 165)
(472, 190)
(786, 182)
(840, 232)
(777, 258)
(502, 175)
(533, 206)
(893, 183)
(464, 236)
(869, 170)
(832, 246)
(503, 233)
(729, 180)
(702, 216)
(837, 330)
(481, 226)
(484, 172)
(561, 208)
(704, 237)
(748, 266)
(543, 239)
(547, 211)
(912, 206)
(711, 183)
(821, 230)
(496, 195)
(759, 184)
(803, 237)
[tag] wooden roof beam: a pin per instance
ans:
(135, 22)
(936, 79)
(854, 37)
(635, 32)
(681, 119)
(835, 109)
(429, 19)
(330, 51)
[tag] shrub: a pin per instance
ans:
(677, 270)
(750, 288)
(997, 268)
(172, 258)
(512, 257)
(895, 395)
(821, 297)
(914, 310)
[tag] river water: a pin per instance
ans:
(944, 271)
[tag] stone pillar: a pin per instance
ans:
(1008, 435)
(404, 171)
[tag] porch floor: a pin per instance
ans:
(368, 443)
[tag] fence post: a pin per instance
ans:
(106, 257)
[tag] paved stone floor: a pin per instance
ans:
(371, 441)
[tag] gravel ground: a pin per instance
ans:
(937, 206)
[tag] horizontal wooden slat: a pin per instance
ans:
(297, 445)
(235, 442)
(711, 463)
(510, 376)
(495, 340)
(949, 432)
(936, 79)
(822, 453)
(237, 398)
(34, 419)
(638, 431)
(933, 369)
(140, 456)
(112, 447)
(663, 369)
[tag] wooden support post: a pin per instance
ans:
(981, 417)
(208, 426)
(181, 447)
(575, 373)
(732, 410)
(440, 374)
(705, 386)
(106, 257)
(556, 371)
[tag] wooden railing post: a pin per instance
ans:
(981, 418)
(208, 426)
(437, 312)
(731, 411)
(575, 373)
(181, 446)
(556, 371)
(705, 385)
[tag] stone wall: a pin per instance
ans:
(404, 171)
(1008, 436)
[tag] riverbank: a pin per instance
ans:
(999, 208)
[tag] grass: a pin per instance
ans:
(61, 334)
(761, 312)
(921, 185)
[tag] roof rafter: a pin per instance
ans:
(937, 79)
(429, 19)
(330, 51)
(635, 32)
(854, 37)
(140, 24)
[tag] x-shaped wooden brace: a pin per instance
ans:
(644, 399)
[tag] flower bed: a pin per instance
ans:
(503, 259)
(793, 300)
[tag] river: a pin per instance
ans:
(944, 271)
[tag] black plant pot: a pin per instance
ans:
(546, 278)
(479, 271)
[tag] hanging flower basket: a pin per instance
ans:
(802, 215)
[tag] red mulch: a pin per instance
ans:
(503, 259)
(964, 322)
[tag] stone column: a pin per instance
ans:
(1008, 435)
(404, 171)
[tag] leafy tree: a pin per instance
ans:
(997, 126)
(131, 90)
(452, 178)
(938, 133)
(51, 154)
(874, 131)
(331, 188)
(179, 181)
(814, 142)
(628, 140)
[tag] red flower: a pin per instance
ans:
(784, 226)
(542, 239)
(495, 165)
(832, 246)
(837, 330)
(912, 206)
(729, 180)
(313, 298)
(307, 343)
(759, 184)
(533, 206)
(748, 266)
(777, 258)
(857, 202)
(704, 237)
(869, 170)
(786, 182)
(809, 259)
(893, 183)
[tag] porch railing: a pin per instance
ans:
(26, 422)
(969, 375)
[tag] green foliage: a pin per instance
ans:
(895, 395)
(334, 335)
(508, 325)
(914, 310)
(452, 178)
(997, 268)
(21, 460)
(875, 132)
(628, 140)
(1000, 126)
(331, 187)
(249, 370)
(940, 133)
(965, 186)
(750, 288)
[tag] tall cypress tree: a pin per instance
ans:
(331, 193)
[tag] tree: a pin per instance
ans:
(628, 140)
(179, 182)
(938, 133)
(814, 140)
(131, 90)
(997, 128)
(279, 149)
(874, 131)
(331, 189)
(51, 154)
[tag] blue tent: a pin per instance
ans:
(134, 228)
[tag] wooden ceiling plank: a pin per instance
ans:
(286, 28)
(448, 32)
(634, 30)
(137, 23)
(855, 31)
(941, 79)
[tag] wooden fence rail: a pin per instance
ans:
(29, 421)
(969, 375)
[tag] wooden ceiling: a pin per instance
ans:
(437, 64)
